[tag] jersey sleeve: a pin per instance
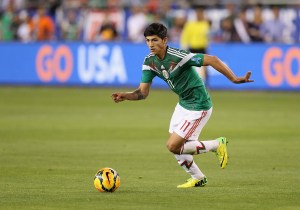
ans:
(147, 73)
(195, 60)
(147, 76)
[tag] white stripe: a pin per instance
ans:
(183, 61)
(145, 67)
(150, 55)
(148, 68)
(180, 56)
(177, 51)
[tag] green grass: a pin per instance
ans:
(53, 141)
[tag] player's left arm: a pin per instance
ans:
(217, 64)
(139, 94)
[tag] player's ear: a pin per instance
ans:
(165, 40)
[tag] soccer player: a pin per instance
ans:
(194, 108)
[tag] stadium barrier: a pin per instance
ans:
(274, 67)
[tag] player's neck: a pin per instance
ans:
(162, 54)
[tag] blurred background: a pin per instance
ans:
(91, 42)
(124, 20)
(53, 140)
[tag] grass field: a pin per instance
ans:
(53, 141)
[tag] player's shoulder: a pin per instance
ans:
(149, 57)
(177, 52)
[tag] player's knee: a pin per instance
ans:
(173, 148)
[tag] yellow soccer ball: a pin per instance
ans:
(107, 180)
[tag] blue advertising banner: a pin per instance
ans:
(274, 67)
(105, 64)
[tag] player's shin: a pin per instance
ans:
(187, 163)
(195, 147)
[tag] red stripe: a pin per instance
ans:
(183, 124)
(197, 122)
(188, 135)
(187, 126)
(192, 128)
(202, 116)
(196, 126)
(202, 147)
(188, 165)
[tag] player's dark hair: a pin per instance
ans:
(156, 29)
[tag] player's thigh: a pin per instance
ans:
(175, 143)
(177, 117)
(192, 124)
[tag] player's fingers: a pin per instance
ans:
(115, 96)
(249, 74)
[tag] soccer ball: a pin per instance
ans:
(107, 180)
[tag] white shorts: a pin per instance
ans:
(188, 124)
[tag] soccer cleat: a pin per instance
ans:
(193, 183)
(222, 152)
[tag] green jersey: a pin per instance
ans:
(176, 69)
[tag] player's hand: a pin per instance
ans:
(244, 79)
(118, 97)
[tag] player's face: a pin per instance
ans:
(156, 45)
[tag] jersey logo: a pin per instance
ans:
(197, 60)
(165, 74)
(162, 67)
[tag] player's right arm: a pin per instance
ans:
(143, 90)
(139, 94)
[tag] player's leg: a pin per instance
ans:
(179, 145)
(193, 146)
(189, 129)
(186, 161)
(175, 143)
(197, 179)
(185, 128)
(219, 146)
